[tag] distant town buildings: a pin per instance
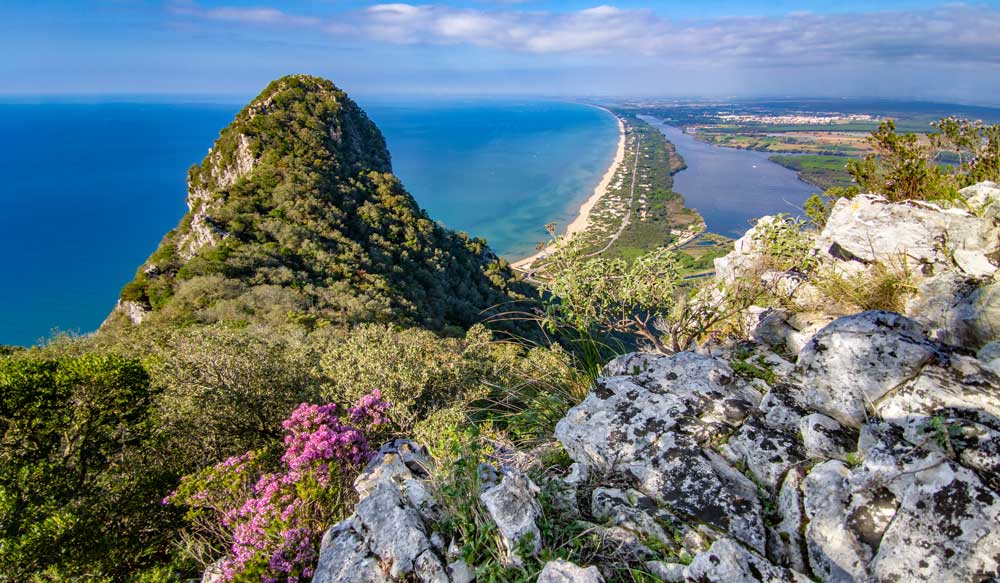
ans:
(797, 119)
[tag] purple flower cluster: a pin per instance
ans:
(296, 549)
(315, 437)
(277, 527)
(370, 411)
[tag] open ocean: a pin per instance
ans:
(88, 190)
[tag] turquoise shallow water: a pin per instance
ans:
(89, 189)
(502, 171)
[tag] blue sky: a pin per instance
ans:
(498, 48)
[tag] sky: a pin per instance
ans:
(914, 49)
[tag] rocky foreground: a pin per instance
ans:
(866, 447)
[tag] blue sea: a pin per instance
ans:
(88, 190)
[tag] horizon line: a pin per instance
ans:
(242, 99)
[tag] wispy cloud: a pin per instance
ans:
(953, 34)
(262, 15)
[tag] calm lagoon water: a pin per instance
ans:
(89, 189)
(731, 188)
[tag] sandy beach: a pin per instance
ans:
(582, 219)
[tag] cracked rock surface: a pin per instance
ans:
(868, 451)
(868, 461)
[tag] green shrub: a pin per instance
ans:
(80, 478)
(745, 365)
(225, 391)
(905, 167)
(901, 168)
(438, 429)
(596, 295)
(417, 371)
(817, 208)
(976, 145)
(456, 482)
(534, 395)
(135, 290)
(785, 242)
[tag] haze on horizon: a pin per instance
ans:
(901, 49)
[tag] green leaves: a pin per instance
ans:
(901, 167)
(611, 295)
(785, 242)
(77, 492)
(977, 146)
(906, 167)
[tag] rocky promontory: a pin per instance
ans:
(294, 216)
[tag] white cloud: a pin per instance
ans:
(260, 16)
(952, 34)
(958, 32)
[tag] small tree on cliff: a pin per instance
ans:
(645, 297)
(902, 167)
(907, 167)
(976, 145)
(596, 294)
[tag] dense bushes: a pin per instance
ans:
(415, 370)
(225, 391)
(912, 167)
(902, 167)
(597, 295)
(79, 469)
(907, 167)
(154, 403)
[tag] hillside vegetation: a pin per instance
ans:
(295, 216)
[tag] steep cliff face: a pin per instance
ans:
(829, 446)
(294, 215)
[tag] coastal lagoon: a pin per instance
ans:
(90, 188)
(731, 188)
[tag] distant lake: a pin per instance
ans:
(88, 190)
(731, 188)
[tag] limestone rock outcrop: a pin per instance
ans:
(869, 228)
(917, 421)
(873, 459)
(858, 448)
(950, 255)
(392, 536)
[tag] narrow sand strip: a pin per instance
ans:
(582, 219)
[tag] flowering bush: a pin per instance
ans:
(271, 522)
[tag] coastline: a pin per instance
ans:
(582, 219)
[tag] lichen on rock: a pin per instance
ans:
(870, 455)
